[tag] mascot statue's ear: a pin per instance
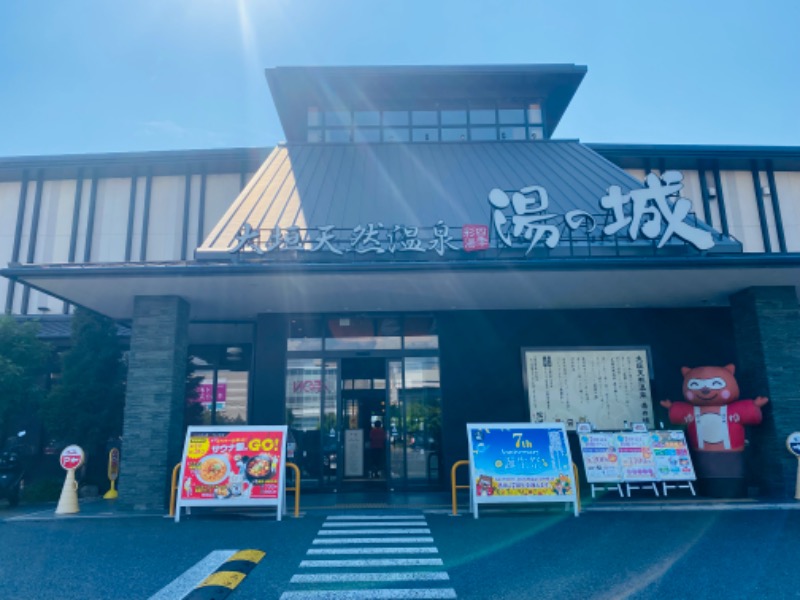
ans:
(730, 368)
(685, 370)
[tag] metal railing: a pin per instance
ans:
(295, 488)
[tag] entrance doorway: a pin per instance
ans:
(333, 406)
(365, 463)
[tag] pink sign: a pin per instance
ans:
(71, 457)
(475, 237)
(206, 394)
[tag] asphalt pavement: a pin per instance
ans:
(686, 548)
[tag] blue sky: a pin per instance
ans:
(89, 76)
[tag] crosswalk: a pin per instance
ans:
(360, 557)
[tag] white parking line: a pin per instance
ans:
(372, 562)
(374, 540)
(372, 531)
(371, 577)
(408, 594)
(392, 550)
(193, 576)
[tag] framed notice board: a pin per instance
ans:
(608, 387)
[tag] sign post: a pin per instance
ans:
(113, 473)
(233, 466)
(793, 444)
(520, 463)
(71, 458)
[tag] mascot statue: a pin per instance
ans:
(715, 419)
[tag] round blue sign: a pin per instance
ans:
(793, 443)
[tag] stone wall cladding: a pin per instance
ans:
(767, 330)
(153, 427)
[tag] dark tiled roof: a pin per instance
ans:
(313, 185)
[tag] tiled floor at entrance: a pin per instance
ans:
(372, 557)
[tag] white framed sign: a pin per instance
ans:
(608, 387)
(519, 463)
(233, 466)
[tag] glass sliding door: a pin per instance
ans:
(311, 393)
(422, 407)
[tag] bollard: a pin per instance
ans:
(71, 458)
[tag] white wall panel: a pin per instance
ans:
(788, 185)
(55, 221)
(166, 219)
(9, 203)
(111, 220)
(221, 191)
(741, 208)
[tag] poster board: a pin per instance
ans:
(636, 458)
(608, 387)
(600, 457)
(233, 466)
(671, 454)
(616, 457)
(519, 463)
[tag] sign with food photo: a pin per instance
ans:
(233, 466)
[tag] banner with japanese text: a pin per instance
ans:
(520, 462)
(636, 456)
(600, 457)
(608, 387)
(671, 455)
(233, 466)
(621, 456)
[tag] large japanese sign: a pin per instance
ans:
(607, 387)
(519, 462)
(520, 219)
(233, 466)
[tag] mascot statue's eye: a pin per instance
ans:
(694, 384)
(717, 383)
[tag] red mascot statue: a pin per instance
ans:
(715, 419)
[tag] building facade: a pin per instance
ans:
(419, 231)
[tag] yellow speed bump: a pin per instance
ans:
(229, 575)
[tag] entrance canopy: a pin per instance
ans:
(416, 227)
(232, 292)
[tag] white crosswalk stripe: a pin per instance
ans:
(387, 548)
(379, 550)
(416, 530)
(375, 540)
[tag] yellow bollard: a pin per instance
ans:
(113, 473)
(454, 487)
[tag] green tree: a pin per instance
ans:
(85, 407)
(192, 409)
(24, 364)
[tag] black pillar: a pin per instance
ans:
(767, 331)
(154, 401)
